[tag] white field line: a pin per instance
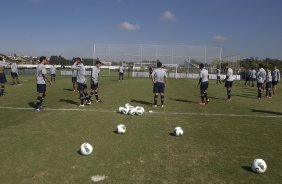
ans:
(163, 113)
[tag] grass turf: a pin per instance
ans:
(215, 148)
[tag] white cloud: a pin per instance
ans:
(129, 26)
(220, 38)
(168, 15)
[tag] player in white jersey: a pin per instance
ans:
(15, 74)
(268, 83)
(275, 79)
(204, 84)
(248, 77)
(254, 77)
(81, 81)
(94, 82)
(120, 73)
(228, 81)
(218, 75)
(3, 79)
(261, 76)
(41, 77)
(53, 72)
(159, 78)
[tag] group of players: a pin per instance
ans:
(267, 80)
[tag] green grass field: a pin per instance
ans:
(219, 143)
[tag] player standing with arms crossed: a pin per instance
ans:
(41, 77)
(275, 79)
(53, 72)
(159, 78)
(15, 74)
(268, 83)
(204, 84)
(261, 76)
(121, 73)
(94, 82)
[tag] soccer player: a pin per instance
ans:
(268, 83)
(275, 79)
(15, 73)
(150, 72)
(94, 82)
(254, 76)
(73, 79)
(159, 78)
(228, 81)
(3, 79)
(218, 75)
(261, 76)
(41, 77)
(204, 84)
(121, 73)
(81, 81)
(248, 77)
(53, 72)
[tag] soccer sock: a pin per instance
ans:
(162, 99)
(81, 99)
(259, 92)
(86, 96)
(96, 95)
(206, 95)
(155, 99)
(2, 89)
(203, 97)
(38, 102)
(229, 94)
(43, 96)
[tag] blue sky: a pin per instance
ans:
(251, 28)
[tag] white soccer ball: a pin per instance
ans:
(121, 129)
(259, 166)
(124, 110)
(141, 109)
(178, 131)
(139, 112)
(120, 109)
(86, 149)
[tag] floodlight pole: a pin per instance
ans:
(94, 53)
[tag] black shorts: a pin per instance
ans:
(120, 74)
(259, 85)
(247, 78)
(218, 77)
(268, 85)
(73, 79)
(81, 86)
(94, 86)
(228, 84)
(158, 87)
(41, 88)
(204, 86)
(274, 83)
(53, 75)
(14, 75)
(3, 78)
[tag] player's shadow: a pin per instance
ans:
(32, 104)
(142, 102)
(69, 101)
(181, 100)
(67, 89)
(247, 168)
(245, 96)
(171, 134)
(267, 112)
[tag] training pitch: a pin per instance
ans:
(219, 143)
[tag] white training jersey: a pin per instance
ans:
(254, 73)
(80, 73)
(14, 68)
(53, 69)
(204, 75)
(159, 75)
(268, 76)
(276, 75)
(74, 73)
(121, 69)
(261, 75)
(40, 71)
(217, 72)
(95, 74)
(229, 74)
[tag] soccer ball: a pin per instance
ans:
(259, 166)
(120, 109)
(178, 131)
(139, 110)
(124, 110)
(86, 149)
(121, 129)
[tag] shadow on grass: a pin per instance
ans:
(245, 96)
(266, 112)
(181, 100)
(171, 134)
(66, 89)
(32, 104)
(78, 152)
(69, 101)
(247, 168)
(142, 102)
